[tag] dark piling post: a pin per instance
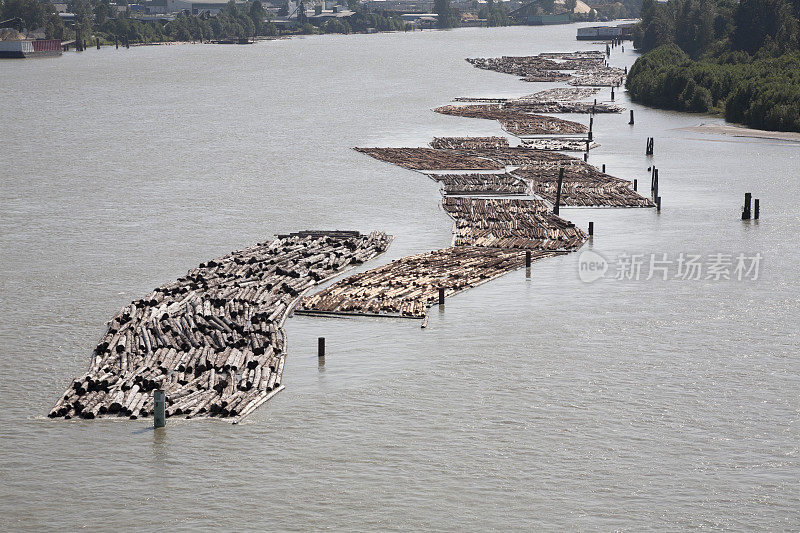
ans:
(658, 204)
(84, 44)
(591, 229)
(441, 296)
(321, 347)
(746, 212)
(626, 68)
(612, 93)
(630, 122)
(655, 185)
(756, 210)
(635, 184)
(585, 156)
(604, 168)
(528, 257)
(97, 42)
(591, 124)
(159, 409)
(558, 189)
(116, 42)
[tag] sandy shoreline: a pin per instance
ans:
(740, 131)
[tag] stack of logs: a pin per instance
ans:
(407, 287)
(213, 339)
(511, 223)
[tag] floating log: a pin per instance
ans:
(407, 287)
(204, 338)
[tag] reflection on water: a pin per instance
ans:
(534, 400)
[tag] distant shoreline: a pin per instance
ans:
(741, 131)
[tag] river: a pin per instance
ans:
(528, 403)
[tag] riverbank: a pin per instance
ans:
(741, 131)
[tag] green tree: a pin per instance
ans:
(446, 15)
(259, 16)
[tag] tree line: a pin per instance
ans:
(739, 59)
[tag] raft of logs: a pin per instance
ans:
(459, 143)
(511, 223)
(213, 340)
(566, 145)
(514, 122)
(599, 77)
(407, 287)
(560, 94)
(530, 66)
(583, 186)
(423, 159)
(486, 184)
(579, 54)
(561, 107)
(537, 75)
(430, 159)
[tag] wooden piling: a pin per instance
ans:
(604, 168)
(585, 157)
(655, 185)
(612, 93)
(591, 229)
(441, 296)
(630, 123)
(97, 42)
(658, 203)
(159, 409)
(116, 42)
(635, 184)
(756, 212)
(321, 347)
(528, 252)
(747, 201)
(558, 187)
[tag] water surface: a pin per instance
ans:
(539, 402)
